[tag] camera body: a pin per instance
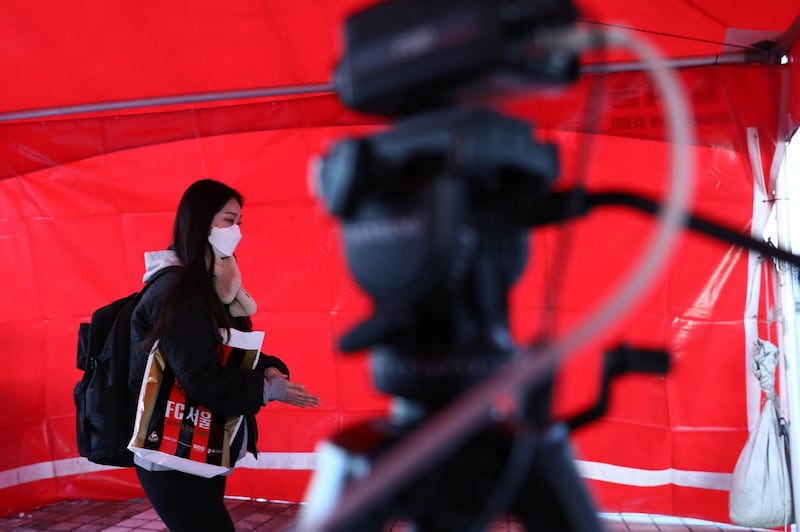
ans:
(434, 221)
(404, 56)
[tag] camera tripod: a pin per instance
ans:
(519, 465)
(435, 215)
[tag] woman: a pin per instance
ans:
(195, 291)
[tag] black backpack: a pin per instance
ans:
(104, 405)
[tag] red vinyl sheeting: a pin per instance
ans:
(81, 198)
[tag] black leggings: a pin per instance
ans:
(187, 502)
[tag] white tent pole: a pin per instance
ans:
(788, 327)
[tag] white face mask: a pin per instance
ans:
(224, 240)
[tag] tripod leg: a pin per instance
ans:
(553, 497)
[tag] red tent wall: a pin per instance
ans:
(89, 195)
(59, 54)
(81, 197)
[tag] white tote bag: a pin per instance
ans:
(173, 430)
(761, 488)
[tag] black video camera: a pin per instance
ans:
(404, 56)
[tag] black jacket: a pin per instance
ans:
(190, 348)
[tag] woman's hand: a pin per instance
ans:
(296, 393)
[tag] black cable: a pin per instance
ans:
(664, 34)
(694, 222)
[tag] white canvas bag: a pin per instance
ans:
(761, 489)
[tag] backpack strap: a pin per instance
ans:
(159, 273)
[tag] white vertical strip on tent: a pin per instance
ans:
(755, 265)
(786, 298)
(776, 171)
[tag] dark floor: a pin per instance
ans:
(248, 515)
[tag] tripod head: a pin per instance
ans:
(433, 218)
(435, 212)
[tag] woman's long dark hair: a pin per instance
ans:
(200, 202)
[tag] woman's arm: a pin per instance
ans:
(268, 361)
(190, 347)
